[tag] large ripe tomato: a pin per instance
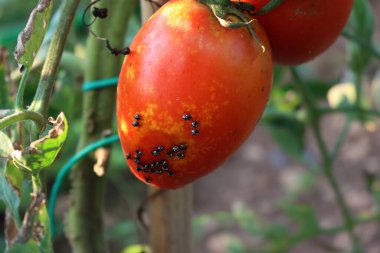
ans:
(299, 30)
(189, 93)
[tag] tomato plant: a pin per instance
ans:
(300, 30)
(189, 93)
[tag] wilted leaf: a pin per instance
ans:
(30, 39)
(6, 146)
(14, 176)
(42, 153)
(35, 228)
(4, 71)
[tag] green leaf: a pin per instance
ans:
(137, 249)
(6, 146)
(10, 198)
(28, 247)
(288, 132)
(42, 153)
(304, 215)
(30, 39)
(361, 26)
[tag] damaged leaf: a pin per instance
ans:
(14, 176)
(30, 39)
(34, 233)
(42, 153)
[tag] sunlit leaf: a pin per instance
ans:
(30, 39)
(42, 153)
(137, 249)
(343, 94)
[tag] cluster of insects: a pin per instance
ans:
(160, 166)
(194, 124)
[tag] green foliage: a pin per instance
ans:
(10, 198)
(28, 247)
(137, 249)
(361, 26)
(288, 131)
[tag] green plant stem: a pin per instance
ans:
(19, 106)
(268, 7)
(342, 137)
(21, 116)
(358, 221)
(85, 218)
(49, 71)
(374, 50)
(350, 109)
(327, 161)
(36, 183)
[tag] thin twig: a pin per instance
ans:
(327, 160)
(141, 208)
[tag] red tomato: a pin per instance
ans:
(300, 30)
(189, 94)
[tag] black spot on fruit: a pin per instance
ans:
(186, 117)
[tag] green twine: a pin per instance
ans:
(87, 86)
(92, 85)
(66, 168)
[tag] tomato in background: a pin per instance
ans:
(189, 94)
(300, 30)
(258, 4)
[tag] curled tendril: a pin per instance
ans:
(222, 12)
(102, 13)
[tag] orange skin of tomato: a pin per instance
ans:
(183, 61)
(300, 30)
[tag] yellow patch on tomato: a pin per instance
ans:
(178, 17)
(131, 73)
(124, 126)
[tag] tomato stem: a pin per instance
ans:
(223, 9)
(268, 7)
